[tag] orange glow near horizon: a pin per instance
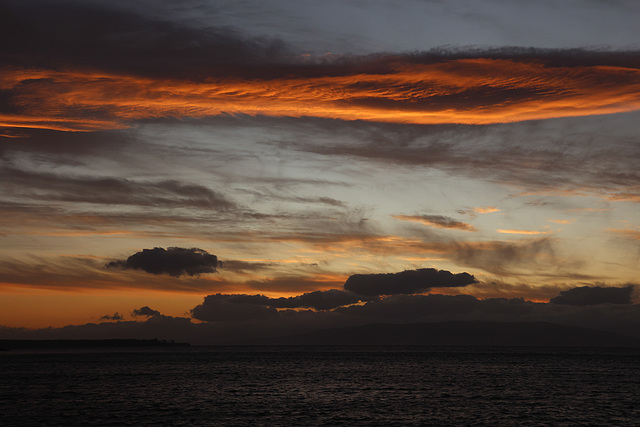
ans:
(502, 91)
(57, 309)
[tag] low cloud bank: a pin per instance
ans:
(230, 319)
(591, 295)
(382, 298)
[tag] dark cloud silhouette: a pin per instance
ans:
(172, 261)
(235, 318)
(319, 300)
(145, 311)
(226, 308)
(591, 295)
(114, 316)
(221, 307)
(405, 282)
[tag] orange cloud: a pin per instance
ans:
(629, 233)
(626, 196)
(485, 209)
(562, 221)
(522, 232)
(472, 91)
(336, 244)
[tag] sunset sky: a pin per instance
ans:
(270, 150)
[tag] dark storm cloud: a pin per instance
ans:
(172, 261)
(105, 36)
(145, 311)
(405, 282)
(591, 295)
(222, 308)
(110, 190)
(114, 316)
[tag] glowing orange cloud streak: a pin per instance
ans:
(522, 232)
(68, 124)
(472, 91)
(485, 209)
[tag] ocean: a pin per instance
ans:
(333, 386)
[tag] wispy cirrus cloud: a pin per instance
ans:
(109, 190)
(437, 221)
(479, 210)
(633, 234)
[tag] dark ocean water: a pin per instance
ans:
(296, 386)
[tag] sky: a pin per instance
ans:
(201, 170)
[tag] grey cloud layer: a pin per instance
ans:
(112, 38)
(593, 155)
(133, 38)
(110, 190)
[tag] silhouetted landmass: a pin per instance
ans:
(62, 344)
(461, 333)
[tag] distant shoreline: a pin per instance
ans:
(7, 345)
